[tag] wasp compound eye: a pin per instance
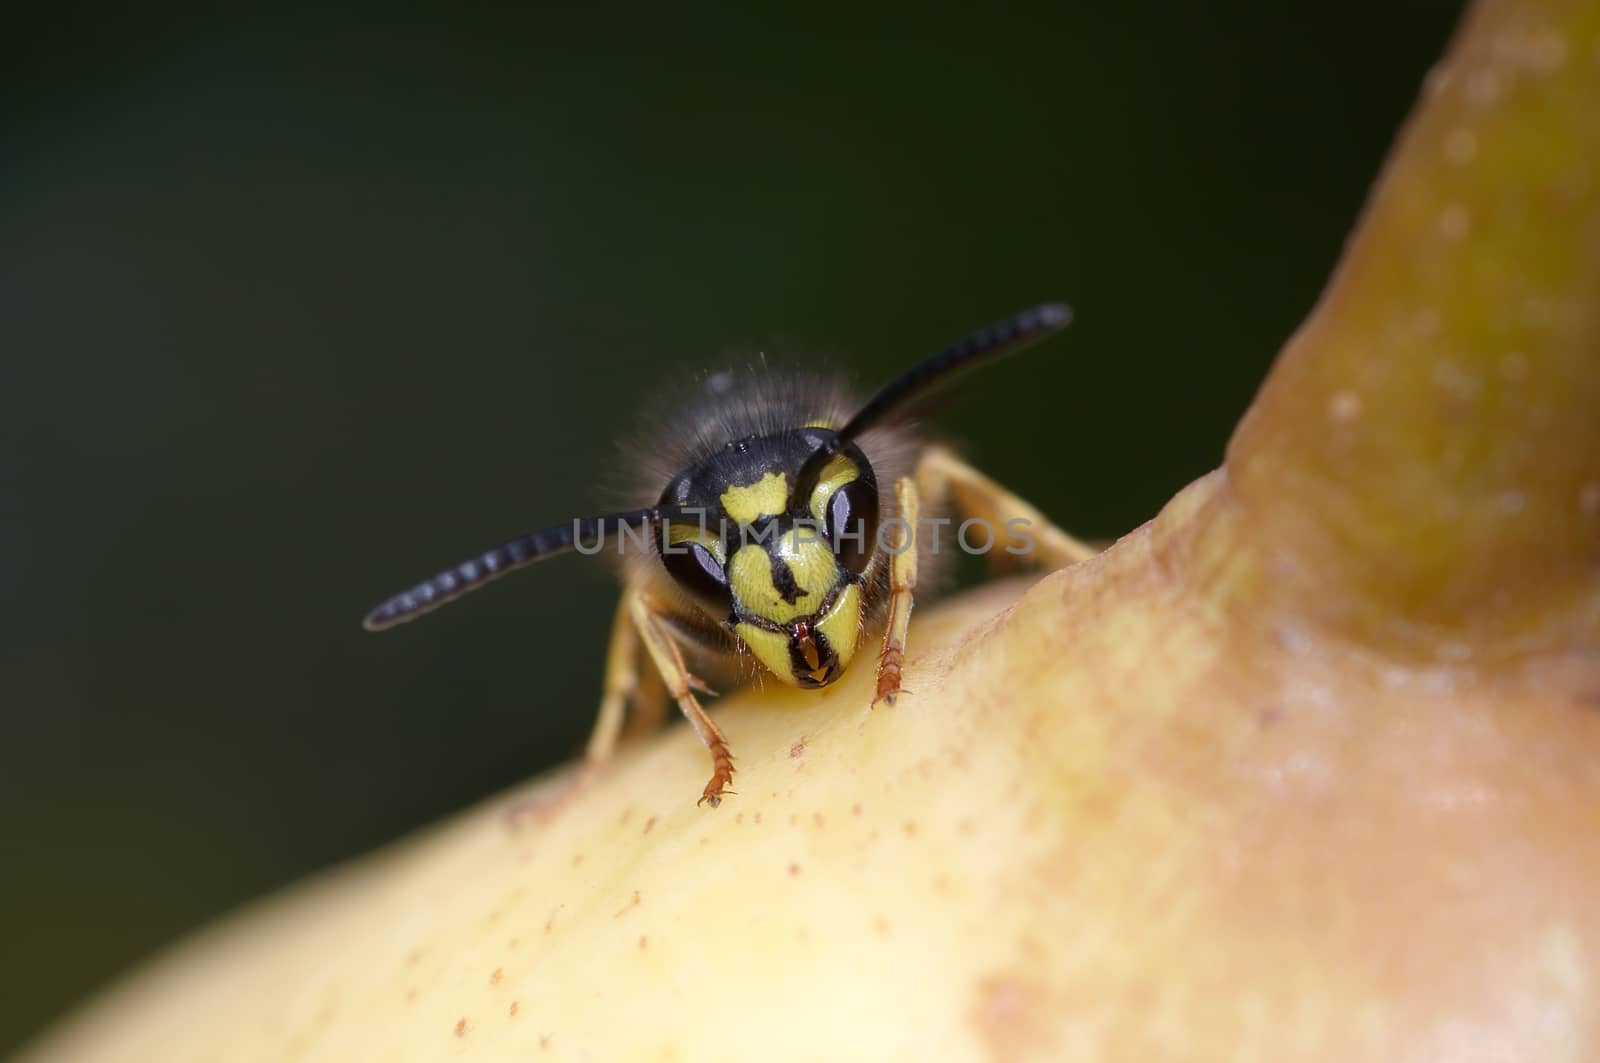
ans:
(697, 570)
(852, 523)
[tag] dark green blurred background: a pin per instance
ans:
(296, 307)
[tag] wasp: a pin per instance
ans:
(779, 526)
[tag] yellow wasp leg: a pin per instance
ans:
(680, 685)
(626, 685)
(624, 682)
(941, 474)
(620, 685)
(902, 582)
(649, 706)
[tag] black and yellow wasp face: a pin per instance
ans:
(786, 575)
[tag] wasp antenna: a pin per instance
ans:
(496, 561)
(996, 341)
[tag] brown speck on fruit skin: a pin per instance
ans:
(855, 809)
(512, 1010)
(644, 942)
(496, 975)
(627, 814)
(633, 903)
(411, 994)
(799, 748)
(544, 1041)
(739, 818)
(577, 858)
(412, 957)
(513, 943)
(816, 817)
(649, 824)
(794, 870)
(758, 818)
(911, 828)
(461, 1026)
(881, 925)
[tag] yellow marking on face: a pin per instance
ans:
(771, 648)
(690, 533)
(767, 497)
(842, 626)
(810, 559)
(839, 471)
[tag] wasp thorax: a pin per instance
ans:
(784, 573)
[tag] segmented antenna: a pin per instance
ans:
(509, 556)
(996, 341)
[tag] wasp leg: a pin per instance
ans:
(941, 474)
(669, 662)
(626, 686)
(902, 583)
(621, 685)
(649, 706)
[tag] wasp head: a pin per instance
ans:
(784, 573)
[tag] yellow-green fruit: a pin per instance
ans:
(1109, 823)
